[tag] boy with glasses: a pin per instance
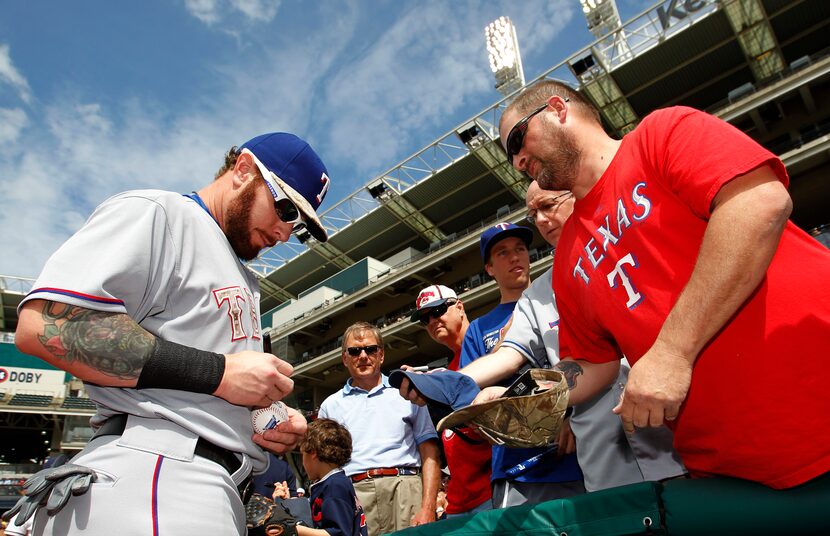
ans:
(395, 463)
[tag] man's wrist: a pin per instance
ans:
(179, 367)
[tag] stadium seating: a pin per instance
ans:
(76, 402)
(38, 401)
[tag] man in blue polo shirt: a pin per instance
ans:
(519, 476)
(395, 466)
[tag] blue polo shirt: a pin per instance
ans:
(386, 429)
(526, 465)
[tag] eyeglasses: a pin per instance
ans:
(434, 312)
(285, 208)
(355, 351)
(547, 207)
(516, 137)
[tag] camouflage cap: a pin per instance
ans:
(531, 420)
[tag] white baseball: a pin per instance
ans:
(267, 418)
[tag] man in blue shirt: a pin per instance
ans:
(519, 476)
(395, 463)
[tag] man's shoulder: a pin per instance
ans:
(667, 116)
(541, 286)
(159, 196)
(143, 200)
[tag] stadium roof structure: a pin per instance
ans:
(12, 291)
(762, 65)
(702, 54)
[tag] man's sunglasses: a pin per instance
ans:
(434, 312)
(286, 209)
(355, 351)
(516, 137)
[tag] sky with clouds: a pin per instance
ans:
(102, 96)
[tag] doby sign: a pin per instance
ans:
(13, 377)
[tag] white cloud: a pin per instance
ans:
(419, 70)
(85, 152)
(212, 11)
(12, 121)
(263, 10)
(10, 75)
(364, 98)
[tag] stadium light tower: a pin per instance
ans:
(602, 15)
(505, 59)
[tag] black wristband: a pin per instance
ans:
(175, 366)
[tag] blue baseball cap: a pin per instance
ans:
(289, 163)
(445, 390)
(500, 231)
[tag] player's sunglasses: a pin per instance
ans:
(355, 351)
(285, 208)
(434, 312)
(516, 137)
(287, 211)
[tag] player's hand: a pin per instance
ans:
(657, 386)
(567, 441)
(281, 491)
(489, 393)
(410, 393)
(285, 436)
(255, 379)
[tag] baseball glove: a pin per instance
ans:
(264, 518)
(531, 420)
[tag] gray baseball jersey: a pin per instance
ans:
(162, 259)
(607, 456)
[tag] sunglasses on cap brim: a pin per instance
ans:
(285, 208)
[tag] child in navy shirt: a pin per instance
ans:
(335, 510)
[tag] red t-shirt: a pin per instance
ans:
(759, 404)
(469, 464)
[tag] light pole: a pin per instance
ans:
(503, 52)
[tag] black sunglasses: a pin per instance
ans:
(287, 212)
(355, 351)
(516, 137)
(434, 312)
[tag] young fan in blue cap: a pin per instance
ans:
(163, 327)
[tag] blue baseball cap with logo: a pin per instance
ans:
(290, 164)
(500, 231)
(444, 390)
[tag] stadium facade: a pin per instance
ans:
(762, 65)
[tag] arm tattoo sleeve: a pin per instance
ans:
(111, 343)
(569, 369)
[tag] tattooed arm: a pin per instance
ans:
(103, 348)
(585, 379)
(111, 349)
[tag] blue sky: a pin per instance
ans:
(102, 96)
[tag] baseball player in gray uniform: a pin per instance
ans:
(607, 456)
(150, 304)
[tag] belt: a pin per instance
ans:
(386, 471)
(115, 426)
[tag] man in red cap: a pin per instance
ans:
(440, 311)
